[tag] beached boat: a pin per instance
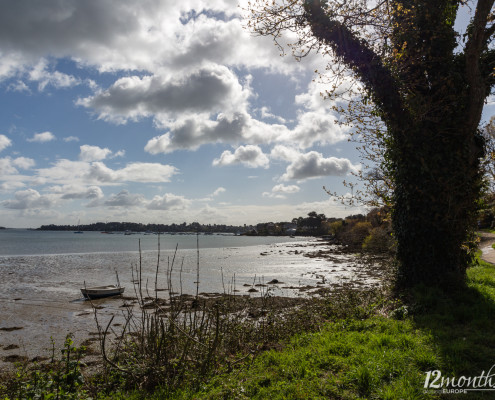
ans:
(97, 292)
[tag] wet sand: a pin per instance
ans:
(30, 319)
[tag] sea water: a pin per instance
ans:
(55, 265)
(43, 271)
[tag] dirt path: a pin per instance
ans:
(487, 251)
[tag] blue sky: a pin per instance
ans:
(159, 111)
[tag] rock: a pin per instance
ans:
(10, 329)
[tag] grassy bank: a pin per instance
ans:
(383, 357)
(354, 345)
(348, 359)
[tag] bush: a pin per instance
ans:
(336, 227)
(355, 235)
(61, 379)
(379, 240)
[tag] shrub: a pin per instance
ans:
(355, 235)
(379, 240)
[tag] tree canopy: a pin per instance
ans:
(421, 87)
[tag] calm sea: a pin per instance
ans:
(31, 242)
(46, 264)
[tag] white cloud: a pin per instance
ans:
(273, 195)
(23, 162)
(168, 201)
(316, 128)
(120, 153)
(281, 188)
(42, 137)
(314, 165)
(4, 142)
(93, 153)
(133, 172)
(8, 165)
(194, 131)
(123, 35)
(27, 199)
(279, 191)
(209, 214)
(146, 172)
(71, 139)
(71, 172)
(285, 153)
(265, 113)
(39, 73)
(19, 86)
(124, 199)
(218, 191)
(210, 197)
(70, 192)
(209, 89)
(9, 185)
(251, 156)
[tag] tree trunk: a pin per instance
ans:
(438, 183)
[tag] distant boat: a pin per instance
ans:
(79, 227)
(98, 292)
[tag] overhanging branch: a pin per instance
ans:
(355, 53)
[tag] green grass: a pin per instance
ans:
(373, 358)
(378, 357)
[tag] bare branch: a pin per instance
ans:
(477, 43)
(355, 53)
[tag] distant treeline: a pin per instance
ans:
(137, 227)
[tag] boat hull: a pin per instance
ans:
(99, 292)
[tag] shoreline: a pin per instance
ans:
(28, 325)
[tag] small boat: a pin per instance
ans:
(79, 227)
(97, 292)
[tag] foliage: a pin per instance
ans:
(356, 233)
(371, 233)
(61, 379)
(139, 227)
(379, 240)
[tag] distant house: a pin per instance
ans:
(291, 231)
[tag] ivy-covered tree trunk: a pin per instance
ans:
(437, 186)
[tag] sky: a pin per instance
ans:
(158, 111)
